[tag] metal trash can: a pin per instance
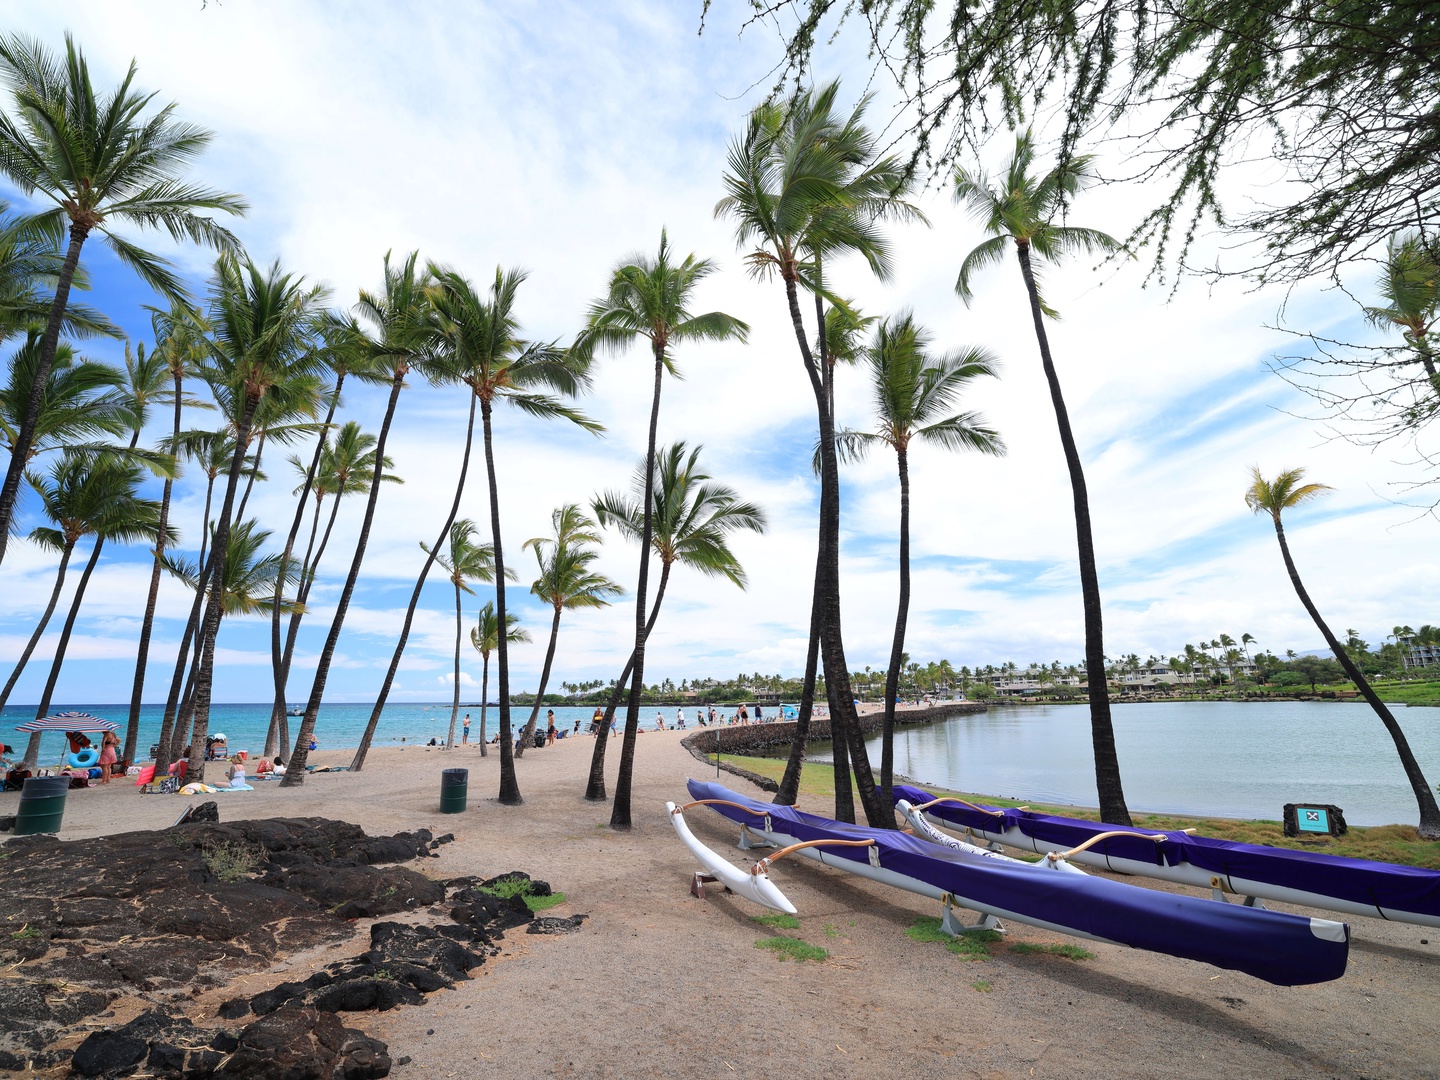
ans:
(42, 804)
(454, 787)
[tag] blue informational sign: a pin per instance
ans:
(1312, 819)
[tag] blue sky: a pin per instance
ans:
(559, 137)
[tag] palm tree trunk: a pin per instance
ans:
(789, 789)
(295, 767)
(484, 699)
(844, 723)
(215, 604)
(1424, 794)
(840, 756)
(358, 762)
(250, 481)
(1102, 732)
(147, 624)
(509, 784)
(897, 646)
(278, 664)
(529, 732)
(455, 699)
(620, 812)
(32, 750)
(307, 582)
(171, 739)
(40, 627)
(25, 437)
(595, 786)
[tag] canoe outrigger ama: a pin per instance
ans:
(1254, 871)
(1287, 950)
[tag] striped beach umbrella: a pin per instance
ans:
(68, 721)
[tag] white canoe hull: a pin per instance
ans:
(755, 887)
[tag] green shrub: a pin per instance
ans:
(779, 920)
(1070, 952)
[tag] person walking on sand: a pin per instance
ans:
(597, 720)
(465, 731)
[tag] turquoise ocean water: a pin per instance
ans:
(339, 726)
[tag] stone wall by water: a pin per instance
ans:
(750, 740)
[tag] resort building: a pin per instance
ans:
(1419, 656)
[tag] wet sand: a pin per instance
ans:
(659, 983)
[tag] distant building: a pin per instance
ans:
(1419, 656)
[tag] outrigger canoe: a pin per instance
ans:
(1254, 871)
(1287, 950)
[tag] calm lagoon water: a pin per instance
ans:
(1234, 759)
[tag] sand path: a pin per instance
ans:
(660, 984)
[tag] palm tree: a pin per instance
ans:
(915, 396)
(501, 366)
(177, 344)
(398, 339)
(463, 334)
(1409, 284)
(648, 299)
(1273, 497)
(81, 402)
(263, 323)
(805, 184)
(464, 561)
(30, 267)
(346, 467)
(251, 580)
(691, 520)
(1024, 209)
(342, 344)
(103, 163)
(76, 501)
(99, 497)
(485, 636)
(566, 583)
(212, 452)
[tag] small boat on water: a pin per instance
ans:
(295, 710)
(1254, 871)
(1288, 950)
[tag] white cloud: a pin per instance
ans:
(484, 139)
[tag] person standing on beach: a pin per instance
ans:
(465, 732)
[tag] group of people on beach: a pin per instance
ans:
(704, 717)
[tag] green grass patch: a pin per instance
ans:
(981, 986)
(1070, 952)
(779, 920)
(789, 948)
(507, 887)
(1381, 843)
(831, 930)
(972, 944)
(231, 861)
(25, 932)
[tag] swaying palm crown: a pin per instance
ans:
(30, 267)
(566, 581)
(914, 393)
(250, 578)
(81, 401)
(1409, 282)
(1025, 210)
(1276, 496)
(691, 517)
(102, 163)
(464, 559)
(485, 637)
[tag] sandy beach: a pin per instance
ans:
(661, 984)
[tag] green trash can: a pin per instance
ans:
(454, 787)
(42, 805)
